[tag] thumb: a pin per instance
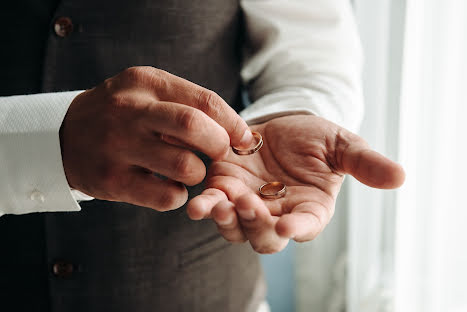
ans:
(370, 167)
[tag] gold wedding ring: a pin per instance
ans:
(272, 190)
(254, 149)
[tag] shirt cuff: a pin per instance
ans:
(31, 169)
(289, 102)
(80, 196)
(293, 101)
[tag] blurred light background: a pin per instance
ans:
(402, 250)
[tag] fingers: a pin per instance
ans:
(305, 222)
(171, 88)
(372, 168)
(144, 189)
(201, 206)
(214, 203)
(219, 188)
(259, 225)
(366, 165)
(171, 161)
(190, 126)
(230, 186)
(216, 108)
(227, 222)
(248, 219)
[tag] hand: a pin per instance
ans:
(144, 120)
(307, 153)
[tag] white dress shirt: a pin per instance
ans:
(302, 56)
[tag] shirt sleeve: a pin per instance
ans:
(31, 170)
(302, 56)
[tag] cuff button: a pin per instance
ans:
(37, 196)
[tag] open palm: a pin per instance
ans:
(311, 156)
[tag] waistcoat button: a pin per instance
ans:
(63, 26)
(62, 269)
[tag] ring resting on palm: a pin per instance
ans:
(272, 190)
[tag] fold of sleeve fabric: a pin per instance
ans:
(31, 171)
(302, 56)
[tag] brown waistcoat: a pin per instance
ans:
(121, 257)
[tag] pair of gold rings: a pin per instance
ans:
(270, 190)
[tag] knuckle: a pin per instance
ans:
(189, 120)
(209, 102)
(136, 72)
(146, 75)
(115, 101)
(160, 72)
(156, 78)
(132, 74)
(339, 146)
(108, 84)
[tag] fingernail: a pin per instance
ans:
(247, 214)
(246, 139)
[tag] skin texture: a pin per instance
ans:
(144, 120)
(311, 156)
